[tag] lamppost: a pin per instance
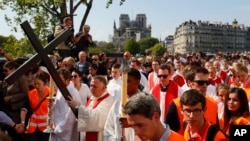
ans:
(235, 24)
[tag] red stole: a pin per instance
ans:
(215, 81)
(223, 75)
(151, 80)
(93, 136)
(179, 80)
(172, 93)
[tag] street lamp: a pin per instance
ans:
(235, 24)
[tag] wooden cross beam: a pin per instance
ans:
(42, 54)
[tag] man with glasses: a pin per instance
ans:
(193, 106)
(152, 77)
(166, 90)
(197, 79)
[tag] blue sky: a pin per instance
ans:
(163, 15)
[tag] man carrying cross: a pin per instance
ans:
(65, 125)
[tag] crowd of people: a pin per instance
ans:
(192, 97)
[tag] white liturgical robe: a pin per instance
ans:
(91, 118)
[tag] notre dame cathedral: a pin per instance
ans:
(130, 29)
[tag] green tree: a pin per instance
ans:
(18, 48)
(158, 49)
(44, 13)
(107, 47)
(132, 46)
(94, 50)
(147, 43)
(3, 39)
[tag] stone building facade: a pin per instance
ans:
(130, 29)
(211, 37)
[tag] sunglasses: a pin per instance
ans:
(164, 76)
(75, 76)
(202, 82)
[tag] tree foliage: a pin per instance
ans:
(132, 46)
(3, 39)
(147, 43)
(109, 2)
(158, 49)
(107, 47)
(43, 14)
(18, 48)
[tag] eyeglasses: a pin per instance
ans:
(195, 112)
(94, 59)
(74, 76)
(202, 82)
(164, 76)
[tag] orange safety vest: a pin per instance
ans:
(175, 137)
(38, 119)
(180, 115)
(172, 93)
(210, 113)
(239, 121)
(247, 90)
(219, 136)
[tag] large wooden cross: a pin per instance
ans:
(42, 54)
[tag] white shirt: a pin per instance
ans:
(84, 93)
(144, 82)
(114, 88)
(93, 120)
(112, 129)
(65, 125)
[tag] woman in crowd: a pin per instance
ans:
(221, 91)
(82, 88)
(236, 109)
(39, 106)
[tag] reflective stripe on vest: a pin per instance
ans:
(38, 120)
(39, 116)
(39, 124)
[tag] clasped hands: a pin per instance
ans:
(20, 128)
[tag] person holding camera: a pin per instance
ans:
(83, 40)
(63, 48)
